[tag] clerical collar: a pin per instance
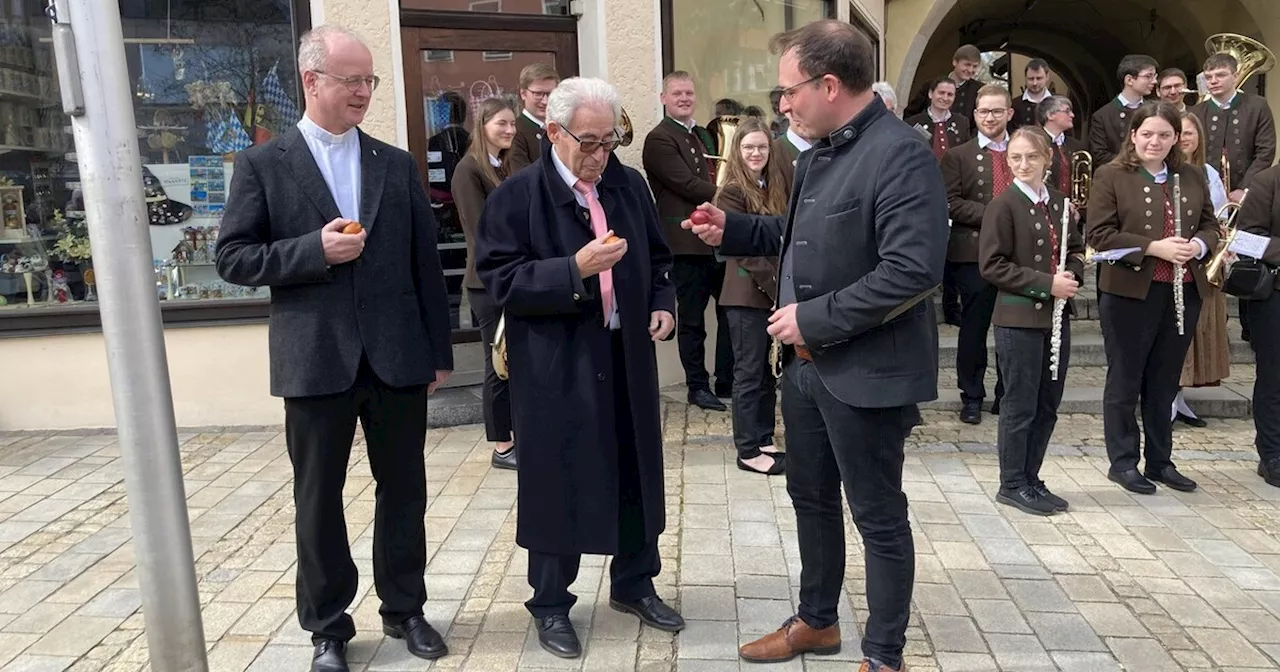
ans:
(936, 119)
(312, 130)
(539, 122)
(799, 142)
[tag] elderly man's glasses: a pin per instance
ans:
(354, 83)
(593, 146)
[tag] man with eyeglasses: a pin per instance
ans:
(572, 249)
(537, 80)
(1056, 116)
(1172, 83)
(681, 176)
(359, 334)
(975, 173)
(1237, 125)
(1109, 126)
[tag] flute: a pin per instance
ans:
(1059, 304)
(1178, 305)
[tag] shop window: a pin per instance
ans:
(535, 7)
(210, 78)
(724, 45)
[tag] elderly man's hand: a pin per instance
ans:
(441, 376)
(599, 256)
(660, 324)
(711, 231)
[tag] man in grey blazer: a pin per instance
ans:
(862, 246)
(359, 331)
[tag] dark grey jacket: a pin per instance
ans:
(390, 304)
(867, 224)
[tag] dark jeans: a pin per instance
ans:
(830, 444)
(977, 302)
(698, 279)
(1144, 360)
(755, 390)
(319, 432)
(632, 569)
(1264, 321)
(1029, 410)
(496, 399)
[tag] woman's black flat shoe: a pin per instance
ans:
(777, 468)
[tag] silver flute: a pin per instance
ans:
(1059, 305)
(1178, 306)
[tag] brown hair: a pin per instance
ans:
(675, 75)
(830, 47)
(1036, 64)
(1196, 157)
(1221, 60)
(1128, 159)
(478, 147)
(934, 83)
(772, 199)
(1132, 65)
(967, 53)
(1036, 136)
(536, 72)
(1172, 72)
(994, 90)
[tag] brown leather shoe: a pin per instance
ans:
(792, 639)
(866, 667)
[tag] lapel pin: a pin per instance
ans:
(375, 152)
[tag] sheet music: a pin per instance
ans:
(1115, 255)
(1248, 244)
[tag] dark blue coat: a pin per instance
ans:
(560, 354)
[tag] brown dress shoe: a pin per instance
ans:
(867, 667)
(792, 639)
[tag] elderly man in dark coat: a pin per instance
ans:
(583, 311)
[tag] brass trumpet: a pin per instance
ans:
(1081, 177)
(1215, 272)
(1226, 171)
(625, 132)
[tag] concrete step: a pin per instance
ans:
(1086, 345)
(1087, 306)
(1229, 400)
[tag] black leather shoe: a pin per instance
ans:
(971, 414)
(995, 407)
(1189, 420)
(557, 636)
(330, 656)
(1132, 481)
(422, 640)
(724, 391)
(1270, 472)
(1058, 503)
(652, 611)
(951, 317)
(704, 399)
(1026, 500)
(505, 460)
(1170, 477)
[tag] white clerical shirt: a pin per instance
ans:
(338, 158)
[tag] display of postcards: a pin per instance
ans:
(205, 162)
(217, 185)
(198, 195)
(217, 197)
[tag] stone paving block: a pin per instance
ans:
(1039, 596)
(966, 662)
(998, 616)
(1190, 610)
(954, 634)
(1228, 648)
(1020, 652)
(1065, 632)
(708, 640)
(35, 663)
(1111, 619)
(708, 603)
(1142, 655)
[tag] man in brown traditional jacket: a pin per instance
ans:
(937, 123)
(1237, 124)
(787, 148)
(1037, 91)
(1057, 118)
(974, 173)
(679, 172)
(964, 67)
(537, 81)
(1109, 126)
(1171, 86)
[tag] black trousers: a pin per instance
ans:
(319, 432)
(1264, 321)
(950, 295)
(496, 397)
(977, 302)
(632, 569)
(698, 278)
(755, 390)
(1029, 410)
(829, 445)
(1144, 362)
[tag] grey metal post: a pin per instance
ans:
(88, 42)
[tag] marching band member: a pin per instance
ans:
(975, 173)
(944, 129)
(1019, 250)
(1171, 87)
(1056, 117)
(537, 80)
(1236, 123)
(964, 68)
(1260, 215)
(1208, 359)
(1109, 126)
(1132, 224)
(1036, 75)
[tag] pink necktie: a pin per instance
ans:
(598, 227)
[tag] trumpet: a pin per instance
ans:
(1216, 271)
(1179, 305)
(1226, 171)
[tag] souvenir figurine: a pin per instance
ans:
(59, 288)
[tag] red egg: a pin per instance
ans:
(700, 217)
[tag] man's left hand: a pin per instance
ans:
(660, 324)
(783, 325)
(1236, 195)
(441, 376)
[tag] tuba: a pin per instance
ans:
(625, 132)
(1216, 270)
(726, 127)
(1253, 57)
(1081, 177)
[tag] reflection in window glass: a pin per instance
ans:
(210, 78)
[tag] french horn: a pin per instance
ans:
(1252, 57)
(625, 132)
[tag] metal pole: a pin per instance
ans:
(88, 41)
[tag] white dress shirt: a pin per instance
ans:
(994, 145)
(936, 119)
(338, 158)
(799, 142)
(1125, 102)
(1036, 199)
(572, 180)
(1026, 95)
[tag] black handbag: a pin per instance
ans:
(1249, 279)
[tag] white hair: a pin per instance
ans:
(576, 93)
(313, 48)
(886, 92)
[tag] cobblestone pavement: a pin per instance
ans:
(1166, 582)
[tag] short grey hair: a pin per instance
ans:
(576, 93)
(1050, 106)
(313, 48)
(886, 92)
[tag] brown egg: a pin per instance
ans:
(611, 239)
(353, 227)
